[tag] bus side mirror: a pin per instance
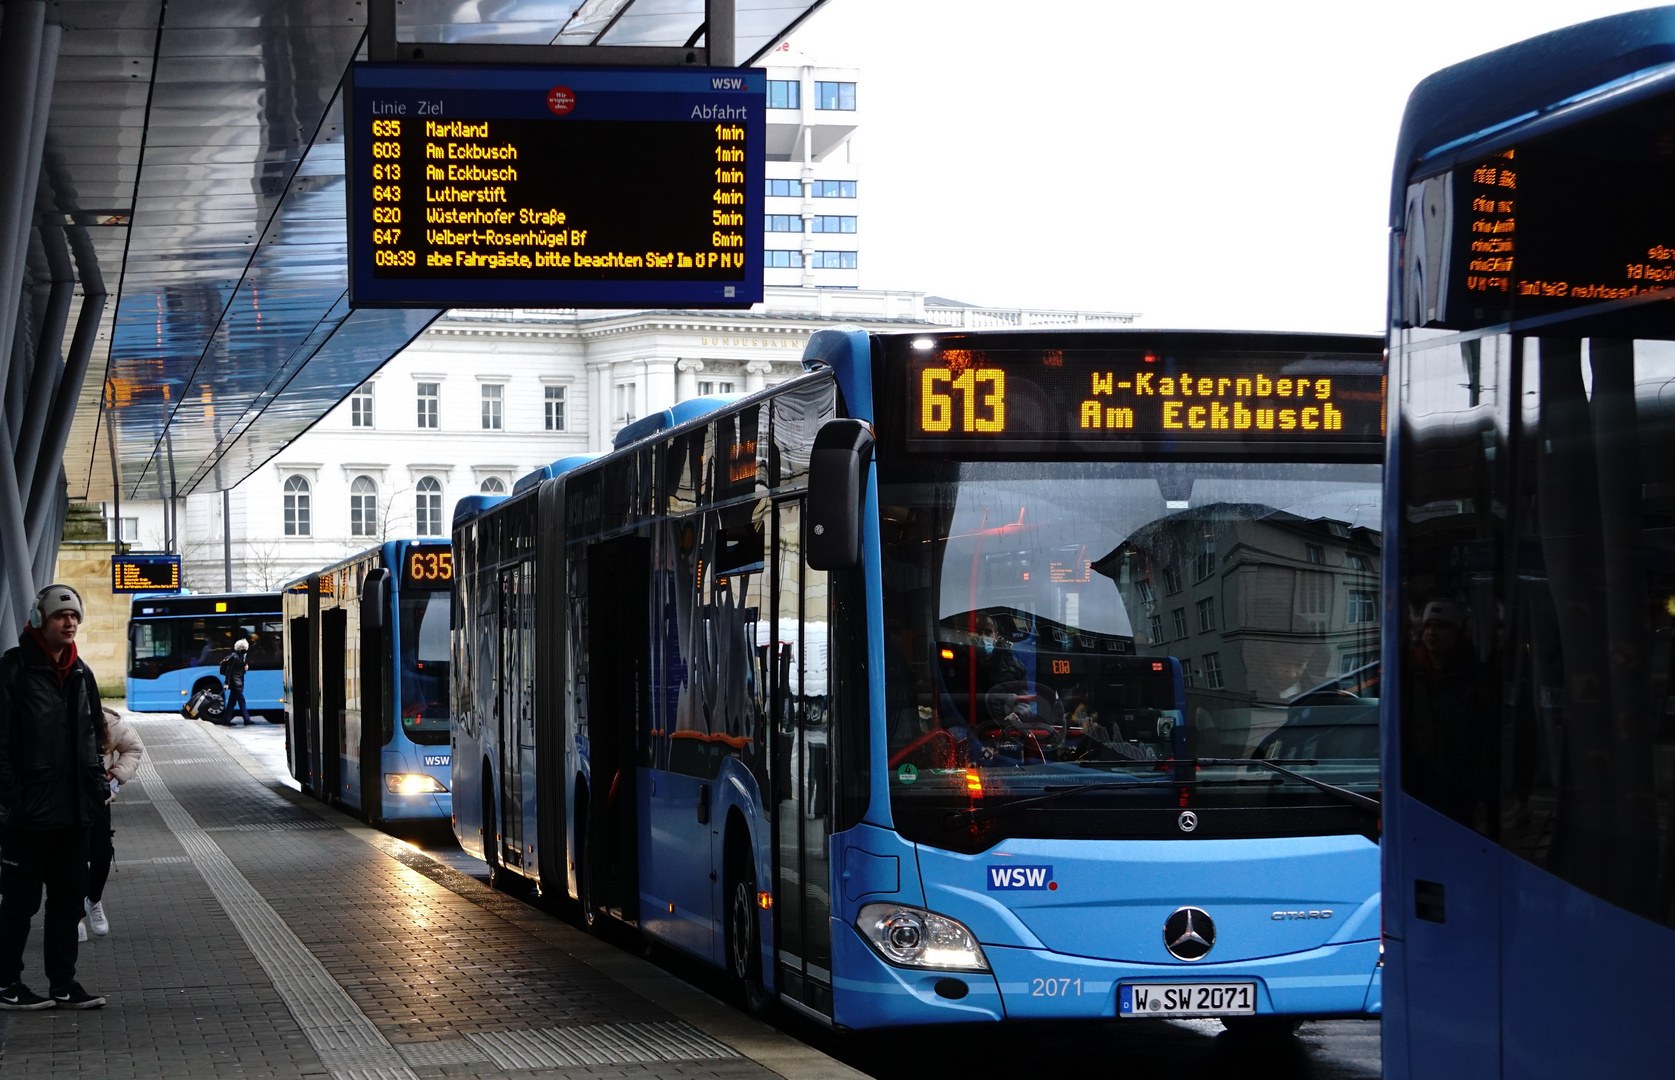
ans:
(375, 598)
(837, 477)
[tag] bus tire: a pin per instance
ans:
(584, 869)
(744, 933)
(491, 835)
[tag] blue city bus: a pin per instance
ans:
(965, 677)
(367, 709)
(176, 642)
(1529, 735)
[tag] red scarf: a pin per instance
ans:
(64, 663)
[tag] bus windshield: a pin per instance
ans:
(1054, 625)
(425, 620)
(158, 645)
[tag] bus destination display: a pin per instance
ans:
(145, 573)
(430, 567)
(1042, 400)
(511, 186)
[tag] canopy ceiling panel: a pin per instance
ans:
(199, 145)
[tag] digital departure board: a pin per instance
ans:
(429, 567)
(145, 573)
(974, 402)
(520, 186)
(1579, 218)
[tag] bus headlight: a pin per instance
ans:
(413, 783)
(914, 937)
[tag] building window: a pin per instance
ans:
(429, 394)
(783, 223)
(785, 189)
(555, 408)
(1143, 591)
(1154, 629)
(832, 223)
(360, 407)
(1354, 660)
(428, 507)
(834, 95)
(296, 507)
(1186, 672)
(834, 260)
(833, 189)
(1212, 671)
(779, 258)
(1206, 614)
(130, 529)
(493, 402)
(1205, 563)
(1315, 553)
(1180, 622)
(363, 507)
(787, 94)
(1357, 562)
(705, 389)
(1171, 580)
(1363, 606)
(493, 485)
(626, 399)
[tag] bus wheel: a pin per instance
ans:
(744, 941)
(491, 842)
(584, 874)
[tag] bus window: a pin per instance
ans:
(425, 715)
(153, 649)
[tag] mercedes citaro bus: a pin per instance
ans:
(964, 678)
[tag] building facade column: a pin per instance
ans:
(599, 407)
(756, 375)
(686, 379)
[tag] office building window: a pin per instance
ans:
(834, 260)
(834, 95)
(429, 394)
(360, 406)
(1212, 671)
(832, 223)
(1363, 606)
(1171, 580)
(1207, 614)
(363, 507)
(1204, 563)
(786, 94)
(626, 399)
(779, 258)
(296, 506)
(555, 408)
(783, 223)
(493, 485)
(1154, 629)
(1180, 622)
(427, 509)
(493, 402)
(785, 189)
(832, 189)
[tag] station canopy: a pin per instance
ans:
(201, 142)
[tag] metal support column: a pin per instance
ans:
(227, 535)
(719, 32)
(48, 363)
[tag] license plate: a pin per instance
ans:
(1186, 999)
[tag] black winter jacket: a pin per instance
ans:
(52, 772)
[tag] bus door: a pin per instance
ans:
(334, 644)
(376, 715)
(618, 663)
(299, 734)
(514, 710)
(802, 773)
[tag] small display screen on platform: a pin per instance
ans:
(513, 185)
(971, 402)
(145, 573)
(429, 567)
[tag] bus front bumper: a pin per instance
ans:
(1035, 984)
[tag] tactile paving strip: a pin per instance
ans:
(347, 1042)
(442, 1052)
(599, 1044)
(271, 826)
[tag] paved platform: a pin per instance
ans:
(255, 933)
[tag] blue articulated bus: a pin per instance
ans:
(367, 708)
(1529, 742)
(964, 678)
(176, 643)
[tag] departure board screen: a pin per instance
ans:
(1575, 219)
(520, 186)
(145, 573)
(965, 401)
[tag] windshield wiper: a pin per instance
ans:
(1354, 798)
(982, 813)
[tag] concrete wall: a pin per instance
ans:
(103, 639)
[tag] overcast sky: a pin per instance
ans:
(1204, 164)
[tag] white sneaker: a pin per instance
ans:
(96, 920)
(81, 930)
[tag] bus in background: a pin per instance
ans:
(956, 680)
(176, 642)
(1529, 738)
(367, 713)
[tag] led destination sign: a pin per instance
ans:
(1040, 400)
(541, 186)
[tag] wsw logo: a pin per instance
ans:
(718, 83)
(1029, 878)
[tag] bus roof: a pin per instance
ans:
(545, 472)
(674, 416)
(1476, 97)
